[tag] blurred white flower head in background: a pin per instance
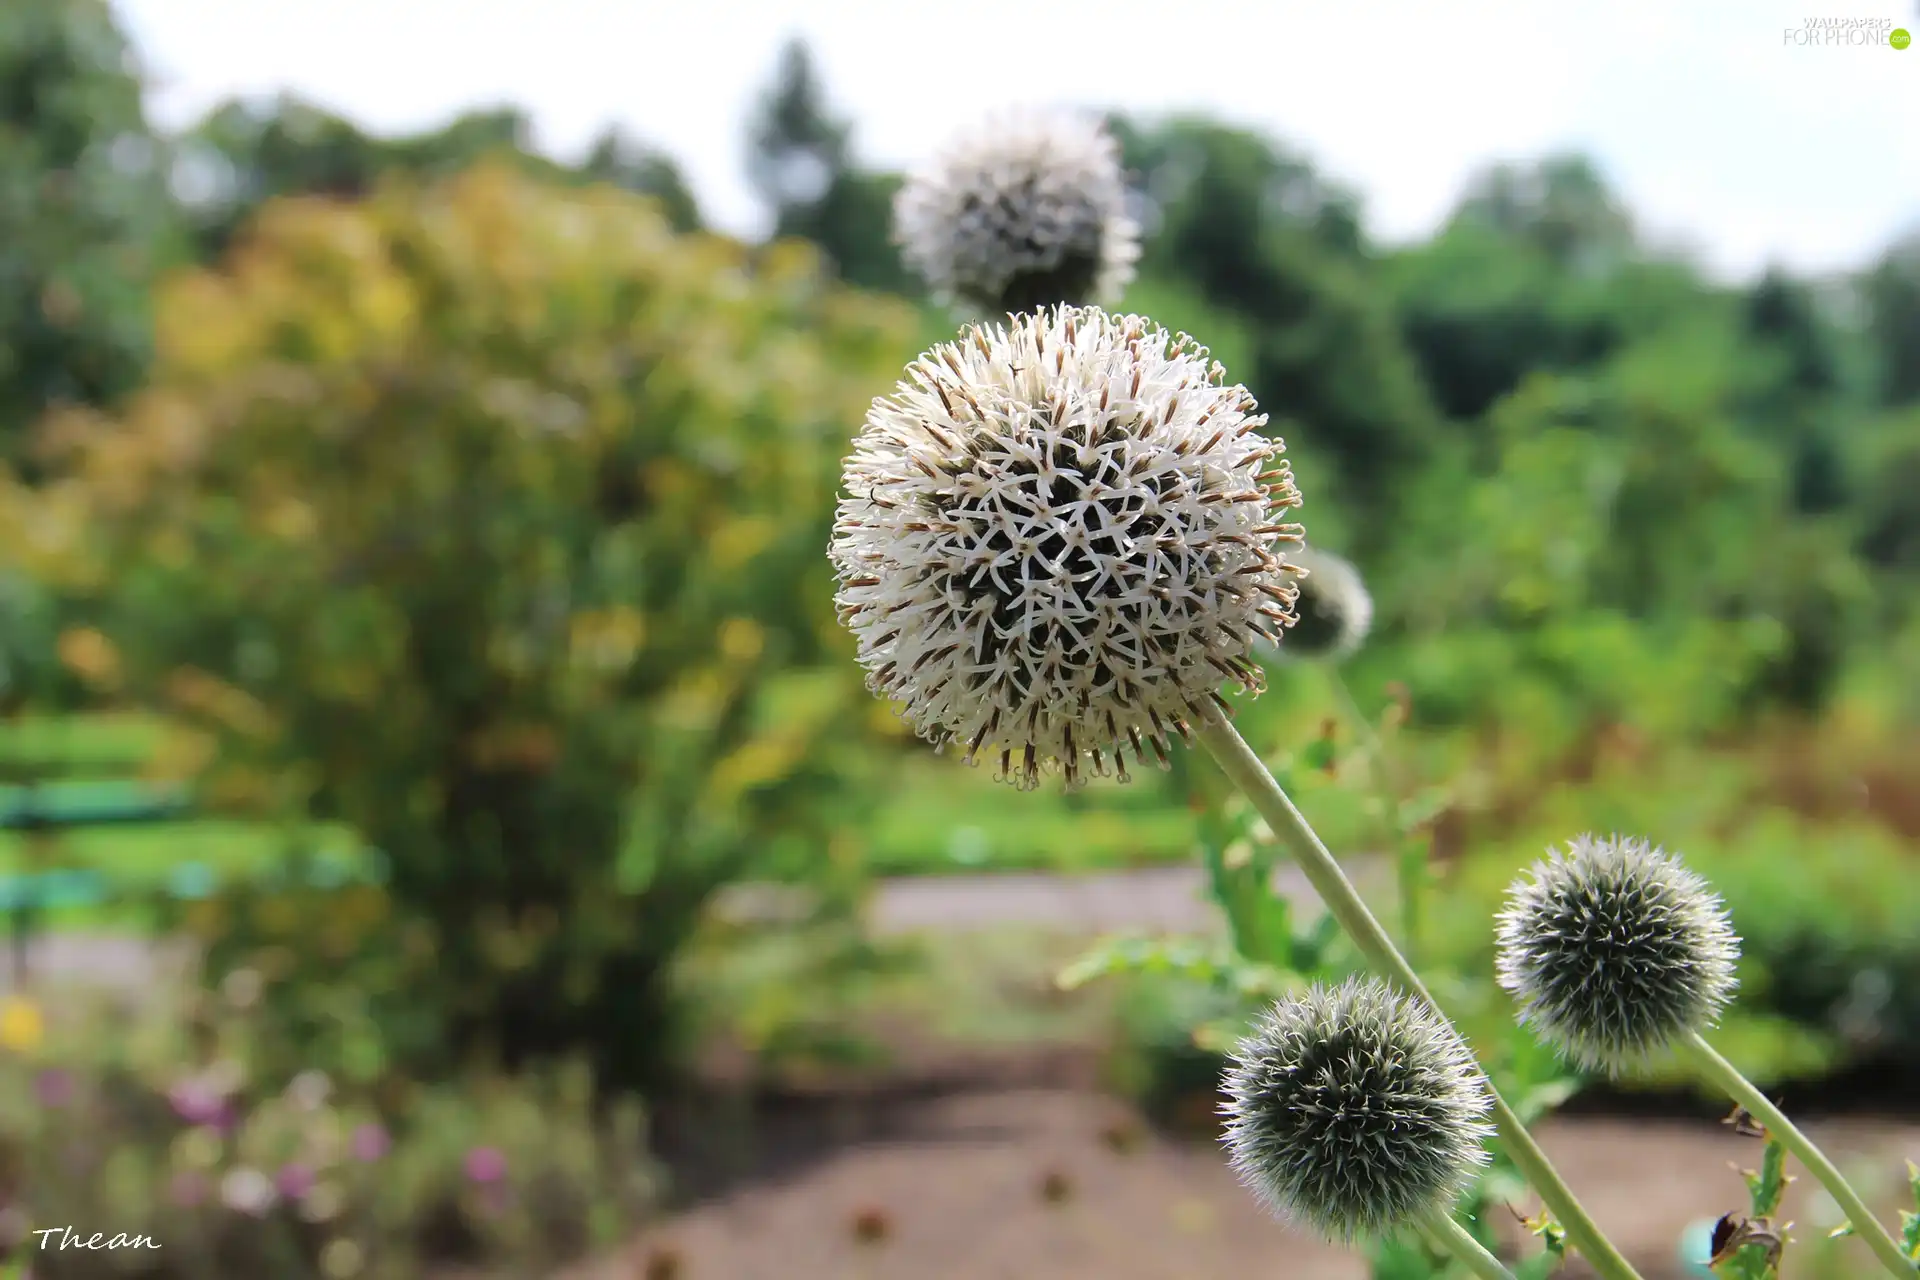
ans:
(1028, 210)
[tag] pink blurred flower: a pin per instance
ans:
(486, 1165)
(294, 1181)
(370, 1142)
(188, 1189)
(198, 1101)
(53, 1087)
(496, 1200)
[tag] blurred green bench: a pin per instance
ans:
(62, 805)
(53, 807)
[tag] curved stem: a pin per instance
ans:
(1244, 769)
(1450, 1237)
(1755, 1103)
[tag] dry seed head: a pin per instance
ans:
(1059, 537)
(1355, 1110)
(1613, 950)
(1026, 211)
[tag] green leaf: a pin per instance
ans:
(1544, 1098)
(1185, 958)
(1769, 1182)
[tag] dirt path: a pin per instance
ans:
(1168, 899)
(960, 1191)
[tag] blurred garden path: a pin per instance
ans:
(1157, 899)
(1026, 1183)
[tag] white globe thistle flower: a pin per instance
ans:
(1059, 538)
(1027, 211)
(1355, 1110)
(1613, 950)
(1334, 611)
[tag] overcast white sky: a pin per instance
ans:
(1717, 130)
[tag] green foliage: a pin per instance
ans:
(186, 1120)
(244, 154)
(1750, 1247)
(82, 212)
(486, 520)
(799, 159)
(1826, 913)
(1481, 313)
(1893, 321)
(1910, 1221)
(1257, 235)
(1559, 207)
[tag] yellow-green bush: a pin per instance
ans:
(488, 519)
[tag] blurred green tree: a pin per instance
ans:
(1260, 237)
(1892, 291)
(800, 162)
(1793, 348)
(1482, 309)
(1559, 205)
(244, 154)
(84, 213)
(486, 518)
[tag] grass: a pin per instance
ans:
(945, 818)
(809, 999)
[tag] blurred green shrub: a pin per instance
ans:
(32, 612)
(334, 968)
(486, 519)
(173, 1118)
(1162, 1057)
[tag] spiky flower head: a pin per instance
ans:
(1334, 610)
(1355, 1110)
(1613, 949)
(1028, 210)
(1059, 537)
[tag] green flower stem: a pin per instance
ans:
(1449, 1236)
(1742, 1090)
(1244, 769)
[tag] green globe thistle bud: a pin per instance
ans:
(1333, 612)
(1613, 950)
(1354, 1109)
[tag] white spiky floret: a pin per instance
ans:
(1353, 1109)
(1613, 949)
(1059, 538)
(1027, 210)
